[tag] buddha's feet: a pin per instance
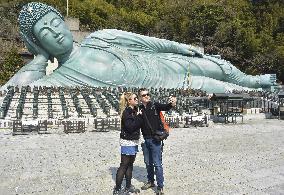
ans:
(268, 80)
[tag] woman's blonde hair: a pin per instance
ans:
(123, 102)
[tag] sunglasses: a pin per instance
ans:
(136, 98)
(146, 94)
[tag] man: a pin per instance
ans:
(152, 149)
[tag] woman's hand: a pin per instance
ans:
(33, 48)
(139, 112)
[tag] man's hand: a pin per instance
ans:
(173, 100)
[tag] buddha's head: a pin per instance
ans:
(45, 27)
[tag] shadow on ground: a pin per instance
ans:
(139, 173)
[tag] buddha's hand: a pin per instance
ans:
(268, 80)
(194, 51)
(33, 48)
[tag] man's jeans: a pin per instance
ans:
(152, 151)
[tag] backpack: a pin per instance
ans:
(160, 134)
(164, 123)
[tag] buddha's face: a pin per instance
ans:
(53, 35)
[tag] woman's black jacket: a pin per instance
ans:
(130, 124)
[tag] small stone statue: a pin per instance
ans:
(113, 57)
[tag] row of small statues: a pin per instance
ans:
(113, 90)
(106, 98)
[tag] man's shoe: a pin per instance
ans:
(132, 189)
(148, 185)
(160, 191)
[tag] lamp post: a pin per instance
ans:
(67, 9)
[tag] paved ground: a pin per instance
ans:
(221, 159)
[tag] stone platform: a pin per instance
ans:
(237, 158)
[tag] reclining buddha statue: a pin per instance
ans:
(113, 57)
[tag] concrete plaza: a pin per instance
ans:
(237, 158)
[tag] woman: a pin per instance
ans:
(131, 121)
(113, 57)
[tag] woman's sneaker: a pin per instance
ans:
(148, 185)
(117, 192)
(132, 189)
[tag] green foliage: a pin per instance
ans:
(12, 62)
(99, 14)
(204, 20)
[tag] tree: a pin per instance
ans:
(12, 62)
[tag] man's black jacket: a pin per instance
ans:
(152, 112)
(130, 124)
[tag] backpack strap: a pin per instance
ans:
(147, 121)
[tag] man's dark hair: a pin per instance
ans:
(142, 89)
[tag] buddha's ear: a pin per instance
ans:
(28, 43)
(33, 47)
